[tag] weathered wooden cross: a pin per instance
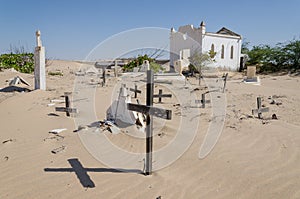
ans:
(259, 109)
(203, 101)
(135, 90)
(225, 80)
(160, 95)
(150, 111)
(67, 108)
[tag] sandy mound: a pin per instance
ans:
(253, 158)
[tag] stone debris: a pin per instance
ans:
(55, 137)
(57, 131)
(58, 150)
(274, 117)
(17, 80)
(57, 101)
(9, 140)
(110, 126)
(81, 128)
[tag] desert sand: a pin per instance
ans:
(253, 158)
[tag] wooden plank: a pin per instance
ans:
(157, 112)
(64, 109)
(262, 110)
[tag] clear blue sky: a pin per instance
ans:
(72, 28)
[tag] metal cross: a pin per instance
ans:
(161, 95)
(67, 108)
(135, 90)
(150, 111)
(259, 109)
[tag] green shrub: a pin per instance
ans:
(23, 62)
(137, 62)
(140, 60)
(56, 73)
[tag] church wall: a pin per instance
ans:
(192, 38)
(227, 61)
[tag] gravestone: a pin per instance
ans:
(118, 112)
(39, 64)
(178, 66)
(251, 74)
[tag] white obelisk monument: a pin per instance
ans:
(39, 64)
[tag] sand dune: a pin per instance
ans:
(253, 158)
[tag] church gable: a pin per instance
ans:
(225, 31)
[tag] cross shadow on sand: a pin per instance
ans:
(82, 173)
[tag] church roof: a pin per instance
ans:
(225, 31)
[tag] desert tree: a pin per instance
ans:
(198, 61)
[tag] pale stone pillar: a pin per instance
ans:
(39, 64)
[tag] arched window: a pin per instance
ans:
(222, 52)
(212, 51)
(231, 52)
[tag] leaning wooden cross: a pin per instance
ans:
(135, 90)
(259, 109)
(225, 81)
(150, 111)
(160, 95)
(67, 108)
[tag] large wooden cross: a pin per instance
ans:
(259, 109)
(135, 90)
(160, 95)
(150, 111)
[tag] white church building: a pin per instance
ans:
(224, 46)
